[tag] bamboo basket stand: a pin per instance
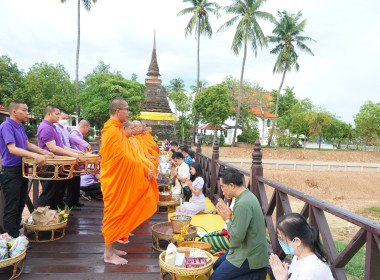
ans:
(89, 163)
(36, 229)
(31, 170)
(17, 263)
(191, 273)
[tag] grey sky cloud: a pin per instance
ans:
(341, 76)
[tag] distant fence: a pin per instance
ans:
(314, 209)
(310, 165)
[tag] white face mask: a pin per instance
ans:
(63, 122)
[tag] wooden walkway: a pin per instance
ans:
(79, 255)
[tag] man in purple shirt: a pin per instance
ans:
(49, 139)
(76, 137)
(77, 144)
(72, 185)
(14, 145)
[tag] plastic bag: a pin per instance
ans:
(19, 245)
(170, 254)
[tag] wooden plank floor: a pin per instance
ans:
(79, 255)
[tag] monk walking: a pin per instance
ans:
(128, 198)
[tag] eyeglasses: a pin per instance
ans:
(127, 109)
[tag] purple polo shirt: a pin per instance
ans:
(11, 132)
(64, 134)
(48, 132)
(76, 140)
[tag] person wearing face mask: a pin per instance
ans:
(72, 187)
(297, 238)
(51, 140)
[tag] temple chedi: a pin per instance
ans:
(156, 110)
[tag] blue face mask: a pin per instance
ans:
(287, 248)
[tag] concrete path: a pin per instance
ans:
(308, 165)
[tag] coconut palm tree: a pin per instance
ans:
(248, 31)
(199, 20)
(287, 37)
(87, 5)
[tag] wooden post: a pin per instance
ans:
(214, 175)
(36, 184)
(198, 151)
(256, 168)
(188, 143)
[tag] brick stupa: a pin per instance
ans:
(156, 110)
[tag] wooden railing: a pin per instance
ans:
(313, 209)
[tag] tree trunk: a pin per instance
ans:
(198, 71)
(215, 135)
(304, 142)
(183, 134)
(276, 111)
(240, 90)
(320, 140)
(77, 62)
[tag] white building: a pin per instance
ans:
(264, 124)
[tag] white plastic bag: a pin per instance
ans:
(170, 254)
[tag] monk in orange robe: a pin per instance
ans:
(151, 140)
(129, 130)
(151, 145)
(128, 198)
(138, 136)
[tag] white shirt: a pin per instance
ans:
(309, 268)
(183, 172)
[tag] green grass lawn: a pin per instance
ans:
(355, 267)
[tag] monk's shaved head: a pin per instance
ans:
(84, 123)
(128, 123)
(14, 105)
(117, 103)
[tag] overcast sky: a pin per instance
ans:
(341, 76)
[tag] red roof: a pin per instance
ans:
(3, 110)
(208, 126)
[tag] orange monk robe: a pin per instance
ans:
(147, 162)
(128, 198)
(154, 143)
(146, 152)
(150, 146)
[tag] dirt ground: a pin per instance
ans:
(357, 192)
(303, 155)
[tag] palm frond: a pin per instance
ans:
(228, 24)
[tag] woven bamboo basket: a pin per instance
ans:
(197, 244)
(167, 188)
(179, 224)
(89, 163)
(31, 170)
(193, 273)
(60, 228)
(16, 262)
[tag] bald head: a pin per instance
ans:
(128, 127)
(117, 103)
(128, 123)
(84, 123)
(137, 127)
